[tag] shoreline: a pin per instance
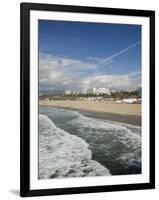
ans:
(115, 117)
(127, 119)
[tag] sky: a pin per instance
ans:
(76, 55)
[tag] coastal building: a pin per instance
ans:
(102, 91)
(119, 101)
(91, 91)
(129, 101)
(68, 92)
(112, 91)
(98, 91)
(85, 87)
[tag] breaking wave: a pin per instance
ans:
(64, 155)
(114, 144)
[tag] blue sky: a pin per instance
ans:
(76, 52)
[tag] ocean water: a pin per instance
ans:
(73, 145)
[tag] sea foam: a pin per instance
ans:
(114, 134)
(64, 155)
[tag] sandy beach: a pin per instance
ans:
(125, 113)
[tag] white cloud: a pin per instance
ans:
(121, 82)
(61, 73)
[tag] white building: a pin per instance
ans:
(131, 100)
(102, 91)
(68, 92)
(127, 101)
(91, 91)
(113, 91)
(85, 87)
(98, 91)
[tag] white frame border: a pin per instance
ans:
(35, 183)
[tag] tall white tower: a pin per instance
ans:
(85, 86)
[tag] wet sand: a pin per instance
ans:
(124, 113)
(128, 119)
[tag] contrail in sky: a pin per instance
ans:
(122, 51)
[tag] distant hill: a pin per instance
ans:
(51, 92)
